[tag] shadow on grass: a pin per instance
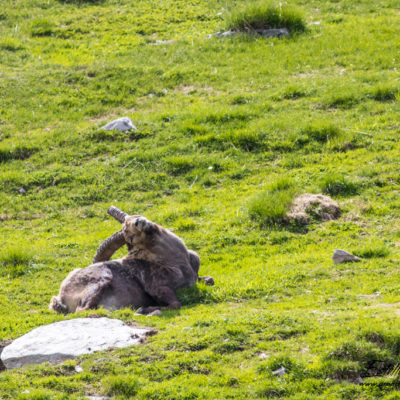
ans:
(197, 294)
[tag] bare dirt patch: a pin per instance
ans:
(307, 207)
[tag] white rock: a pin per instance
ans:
(158, 42)
(121, 124)
(97, 398)
(280, 371)
(68, 339)
(340, 256)
(279, 33)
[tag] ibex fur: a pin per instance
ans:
(158, 264)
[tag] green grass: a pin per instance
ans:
(15, 261)
(219, 121)
(339, 185)
(320, 131)
(42, 27)
(255, 15)
(271, 206)
(385, 92)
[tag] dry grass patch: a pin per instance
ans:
(307, 207)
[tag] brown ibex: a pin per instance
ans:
(158, 263)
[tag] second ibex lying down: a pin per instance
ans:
(158, 263)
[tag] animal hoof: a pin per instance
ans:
(141, 311)
(208, 280)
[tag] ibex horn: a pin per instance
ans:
(109, 247)
(117, 214)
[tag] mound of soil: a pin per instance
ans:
(308, 207)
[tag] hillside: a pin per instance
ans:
(220, 120)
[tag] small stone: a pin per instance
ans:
(279, 33)
(121, 124)
(159, 42)
(78, 368)
(279, 372)
(226, 34)
(359, 380)
(97, 398)
(340, 256)
(22, 191)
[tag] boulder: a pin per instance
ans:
(340, 256)
(121, 124)
(63, 340)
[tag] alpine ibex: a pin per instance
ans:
(158, 263)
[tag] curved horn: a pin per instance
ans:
(117, 214)
(109, 247)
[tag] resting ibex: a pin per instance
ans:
(158, 263)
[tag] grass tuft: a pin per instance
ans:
(373, 250)
(271, 206)
(14, 261)
(10, 44)
(15, 153)
(342, 101)
(260, 15)
(320, 131)
(121, 385)
(177, 165)
(41, 27)
(370, 359)
(293, 92)
(339, 185)
(385, 93)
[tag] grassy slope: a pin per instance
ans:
(240, 106)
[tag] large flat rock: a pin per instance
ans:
(68, 339)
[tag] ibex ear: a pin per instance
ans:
(194, 260)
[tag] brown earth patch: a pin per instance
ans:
(307, 207)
